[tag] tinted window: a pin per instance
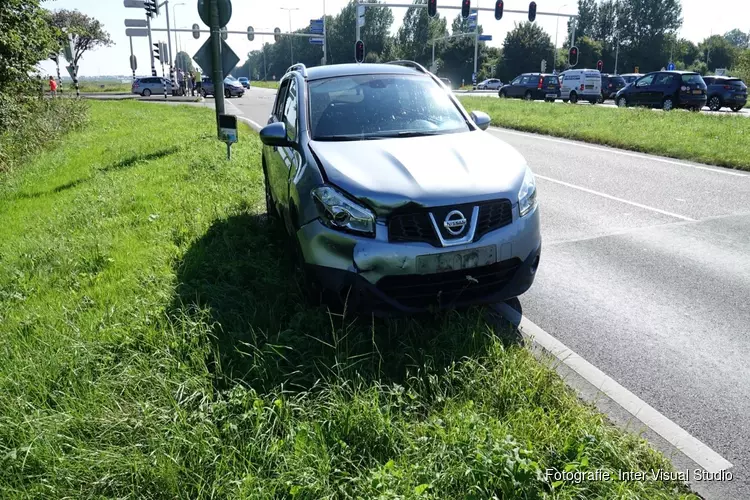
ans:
(692, 78)
(290, 111)
(525, 80)
(645, 81)
(617, 80)
(365, 106)
(736, 82)
(663, 79)
(550, 80)
(278, 108)
(708, 80)
(516, 81)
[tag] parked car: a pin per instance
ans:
(610, 85)
(725, 92)
(532, 87)
(490, 84)
(245, 82)
(414, 221)
(631, 77)
(447, 82)
(232, 88)
(666, 90)
(150, 85)
(581, 84)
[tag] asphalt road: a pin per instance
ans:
(745, 112)
(645, 273)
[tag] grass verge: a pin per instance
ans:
(104, 87)
(153, 344)
(264, 84)
(717, 140)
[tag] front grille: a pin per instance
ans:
(447, 288)
(493, 215)
(415, 226)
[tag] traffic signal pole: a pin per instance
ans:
(169, 42)
(218, 73)
(151, 44)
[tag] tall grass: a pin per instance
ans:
(154, 343)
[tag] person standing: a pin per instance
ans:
(52, 86)
(192, 84)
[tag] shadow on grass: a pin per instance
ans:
(239, 276)
(122, 164)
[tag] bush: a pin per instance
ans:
(28, 124)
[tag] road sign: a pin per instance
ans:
(228, 58)
(485, 38)
(68, 49)
(670, 66)
(316, 41)
(225, 11)
(134, 4)
(136, 23)
(72, 71)
(472, 25)
(474, 77)
(228, 128)
(360, 15)
(316, 26)
(133, 63)
(136, 32)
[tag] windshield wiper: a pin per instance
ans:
(412, 133)
(344, 138)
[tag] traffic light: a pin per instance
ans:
(157, 51)
(152, 8)
(599, 65)
(359, 51)
(573, 56)
(276, 35)
(499, 9)
(532, 11)
(250, 33)
(465, 8)
(432, 8)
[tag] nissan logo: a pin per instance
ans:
(455, 222)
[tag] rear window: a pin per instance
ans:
(617, 79)
(692, 79)
(736, 82)
(551, 80)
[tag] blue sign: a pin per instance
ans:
(316, 26)
(670, 66)
(316, 41)
(485, 38)
(474, 77)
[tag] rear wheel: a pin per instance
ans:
(146, 92)
(714, 104)
(599, 99)
(573, 97)
(667, 104)
(622, 102)
(736, 108)
(527, 95)
(565, 101)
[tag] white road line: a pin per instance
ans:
(250, 122)
(619, 152)
(608, 196)
(678, 437)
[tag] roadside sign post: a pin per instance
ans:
(228, 132)
(72, 68)
(133, 61)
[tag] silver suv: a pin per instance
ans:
(393, 195)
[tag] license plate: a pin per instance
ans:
(551, 95)
(456, 261)
(589, 86)
(697, 91)
(551, 87)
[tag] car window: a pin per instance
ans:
(645, 81)
(708, 80)
(550, 80)
(278, 108)
(663, 79)
(525, 80)
(516, 81)
(617, 79)
(692, 78)
(290, 111)
(368, 106)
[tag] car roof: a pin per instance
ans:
(334, 70)
(676, 72)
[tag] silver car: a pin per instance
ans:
(490, 84)
(151, 85)
(395, 197)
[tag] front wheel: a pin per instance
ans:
(227, 94)
(573, 97)
(527, 95)
(599, 100)
(714, 104)
(736, 108)
(502, 94)
(622, 102)
(565, 101)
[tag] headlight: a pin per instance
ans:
(527, 194)
(339, 212)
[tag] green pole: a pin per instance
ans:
(218, 73)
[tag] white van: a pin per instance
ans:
(577, 84)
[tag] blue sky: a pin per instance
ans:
(700, 19)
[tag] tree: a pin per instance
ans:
(717, 52)
(589, 52)
(738, 38)
(416, 32)
(524, 48)
(587, 17)
(26, 37)
(184, 61)
(88, 33)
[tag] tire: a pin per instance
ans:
(599, 100)
(736, 108)
(227, 94)
(667, 104)
(714, 103)
(573, 97)
(622, 102)
(565, 101)
(695, 109)
(203, 93)
(146, 93)
(502, 94)
(527, 96)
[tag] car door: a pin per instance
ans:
(661, 88)
(519, 89)
(275, 167)
(513, 85)
(639, 96)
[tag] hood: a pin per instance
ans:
(429, 171)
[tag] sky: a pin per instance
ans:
(699, 22)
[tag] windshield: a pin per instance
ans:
(375, 106)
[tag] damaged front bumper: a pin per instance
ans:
(373, 274)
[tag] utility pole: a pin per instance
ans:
(169, 43)
(151, 44)
(218, 73)
(476, 47)
(291, 38)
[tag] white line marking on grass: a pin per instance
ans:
(726, 171)
(608, 196)
(678, 437)
(250, 122)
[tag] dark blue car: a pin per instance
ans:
(725, 92)
(533, 87)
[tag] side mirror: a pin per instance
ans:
(275, 135)
(481, 119)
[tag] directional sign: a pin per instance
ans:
(68, 49)
(134, 4)
(228, 58)
(316, 41)
(136, 23)
(485, 38)
(670, 66)
(133, 63)
(316, 26)
(360, 15)
(136, 32)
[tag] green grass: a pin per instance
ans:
(153, 344)
(717, 140)
(264, 84)
(104, 87)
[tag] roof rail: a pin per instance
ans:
(410, 64)
(298, 67)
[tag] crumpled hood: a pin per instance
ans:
(430, 171)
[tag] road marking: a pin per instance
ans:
(250, 122)
(608, 196)
(678, 437)
(619, 152)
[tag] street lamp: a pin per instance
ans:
(557, 25)
(291, 38)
